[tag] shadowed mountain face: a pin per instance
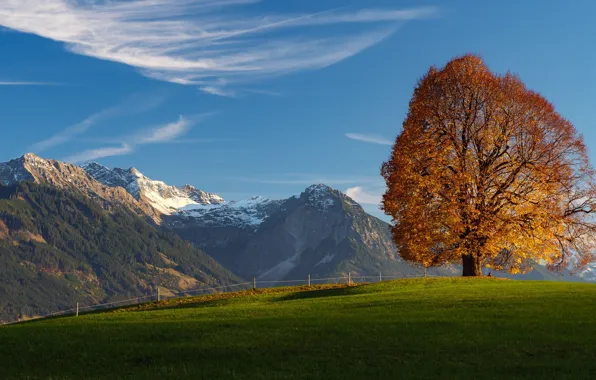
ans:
(322, 232)
(66, 238)
(70, 178)
(58, 248)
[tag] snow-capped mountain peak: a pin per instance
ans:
(135, 172)
(320, 196)
(200, 196)
(320, 187)
(15, 171)
(31, 157)
(30, 167)
(164, 198)
(109, 177)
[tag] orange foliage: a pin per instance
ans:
(486, 173)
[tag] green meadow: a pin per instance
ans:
(453, 328)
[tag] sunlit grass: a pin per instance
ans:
(424, 329)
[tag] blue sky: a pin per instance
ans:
(246, 97)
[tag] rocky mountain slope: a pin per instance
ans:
(163, 198)
(321, 232)
(58, 248)
(66, 237)
(71, 178)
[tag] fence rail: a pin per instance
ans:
(256, 283)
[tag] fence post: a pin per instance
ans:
(254, 282)
(380, 277)
(77, 309)
(309, 280)
(424, 272)
(158, 295)
(349, 278)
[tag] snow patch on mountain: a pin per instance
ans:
(109, 177)
(164, 198)
(243, 213)
(17, 170)
(207, 209)
(187, 201)
(320, 196)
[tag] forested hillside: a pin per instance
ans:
(58, 247)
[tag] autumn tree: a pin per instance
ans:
(486, 173)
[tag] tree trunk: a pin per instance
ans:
(471, 266)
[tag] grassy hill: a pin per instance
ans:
(412, 329)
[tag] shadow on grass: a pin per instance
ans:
(218, 299)
(210, 300)
(337, 292)
(224, 298)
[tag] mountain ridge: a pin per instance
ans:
(162, 197)
(59, 247)
(69, 177)
(270, 239)
(260, 237)
(321, 231)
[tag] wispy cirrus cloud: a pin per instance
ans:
(94, 154)
(219, 91)
(171, 131)
(24, 83)
(213, 44)
(167, 133)
(373, 139)
(132, 105)
(74, 130)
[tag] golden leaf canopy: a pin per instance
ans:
(486, 173)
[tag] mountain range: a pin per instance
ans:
(96, 234)
(321, 232)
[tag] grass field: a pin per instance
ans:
(406, 329)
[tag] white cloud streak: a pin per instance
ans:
(168, 133)
(94, 154)
(132, 105)
(373, 139)
(208, 43)
(74, 130)
(363, 197)
(219, 91)
(17, 83)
